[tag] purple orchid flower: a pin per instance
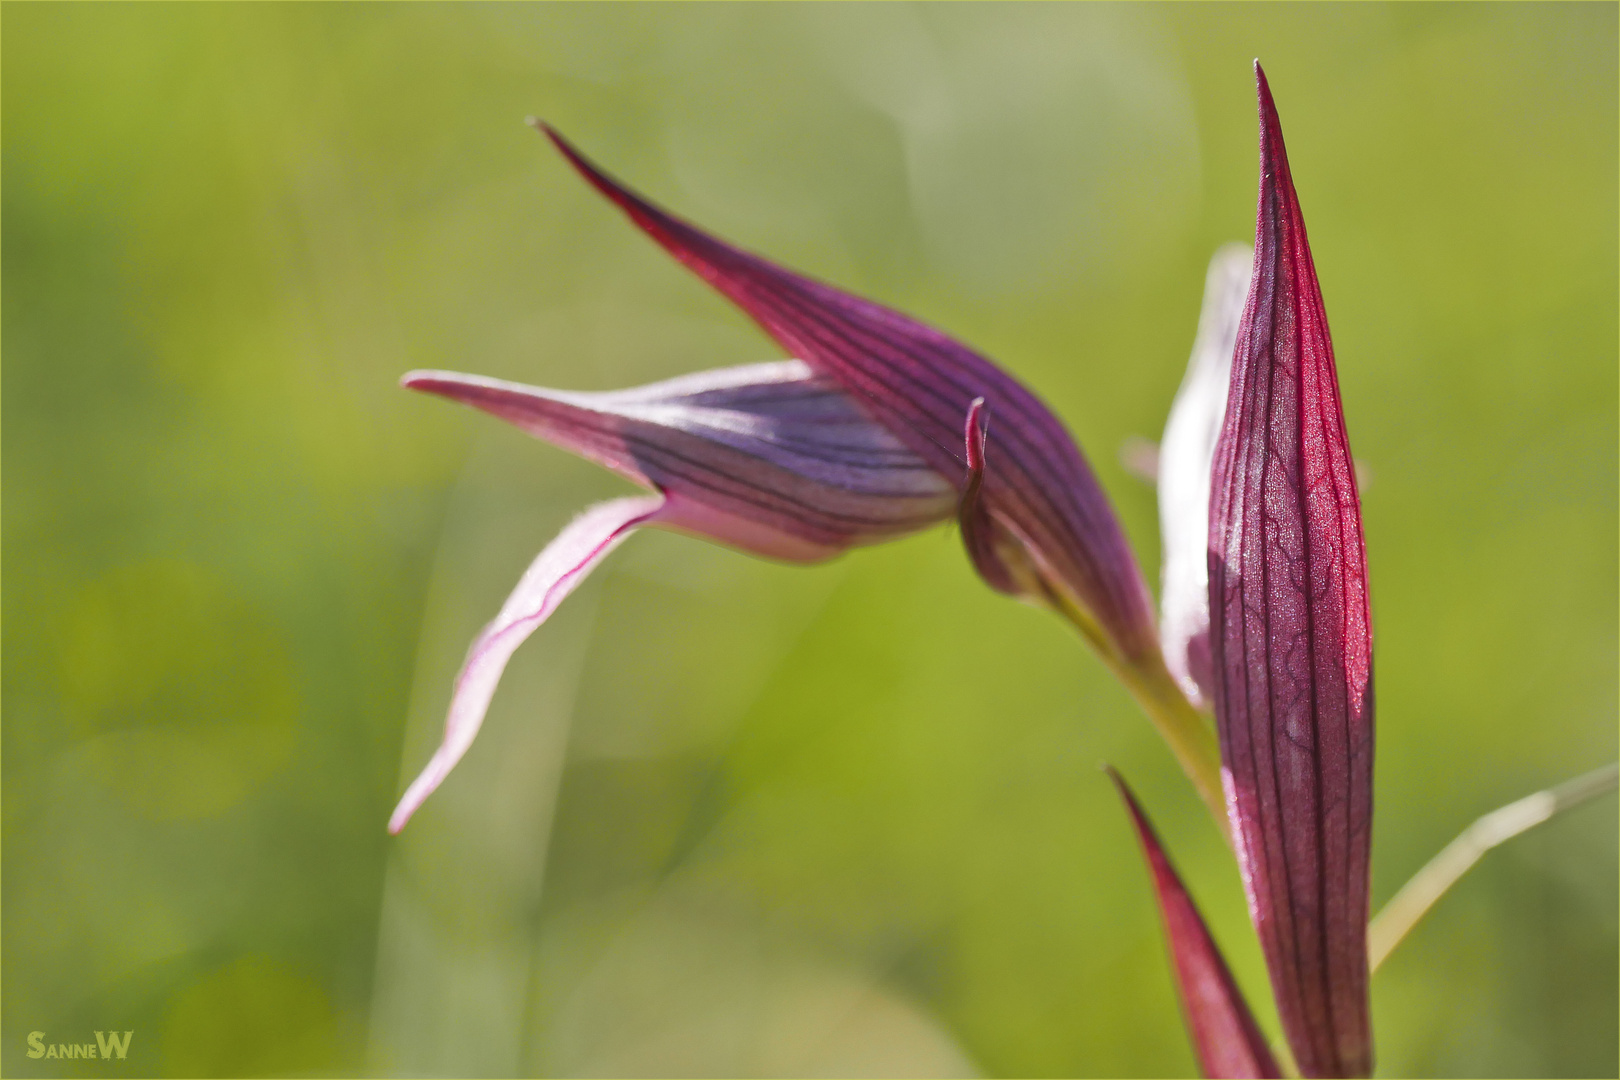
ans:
(1291, 646)
(881, 427)
(1044, 531)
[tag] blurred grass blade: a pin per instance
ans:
(1226, 1039)
(1418, 895)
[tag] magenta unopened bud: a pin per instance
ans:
(1291, 641)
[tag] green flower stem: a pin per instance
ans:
(1190, 734)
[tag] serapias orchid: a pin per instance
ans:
(880, 426)
(1289, 668)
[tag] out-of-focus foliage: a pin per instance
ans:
(729, 817)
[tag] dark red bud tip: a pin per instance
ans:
(1263, 89)
(669, 231)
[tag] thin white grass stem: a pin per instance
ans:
(1430, 883)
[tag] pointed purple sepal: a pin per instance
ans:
(1055, 533)
(1225, 1037)
(1292, 641)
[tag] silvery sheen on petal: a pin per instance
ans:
(1186, 453)
(771, 458)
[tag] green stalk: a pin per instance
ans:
(1190, 734)
(1191, 737)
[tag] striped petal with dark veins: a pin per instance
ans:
(1226, 1040)
(1050, 523)
(1292, 641)
(770, 458)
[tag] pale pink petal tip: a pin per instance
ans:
(554, 574)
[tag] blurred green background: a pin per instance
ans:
(729, 817)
